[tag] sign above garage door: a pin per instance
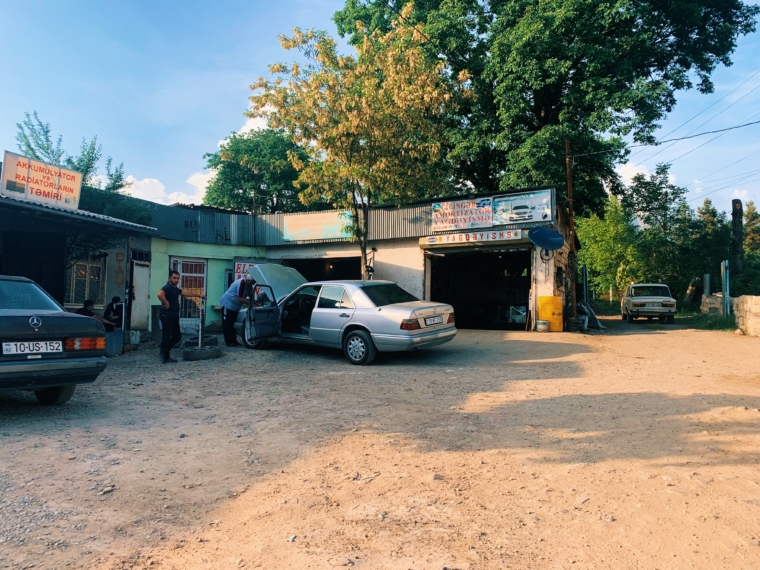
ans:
(471, 237)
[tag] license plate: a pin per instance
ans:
(38, 347)
(434, 320)
(651, 304)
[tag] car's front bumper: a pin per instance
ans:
(31, 375)
(397, 342)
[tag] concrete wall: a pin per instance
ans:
(401, 260)
(712, 304)
(117, 273)
(747, 312)
(219, 258)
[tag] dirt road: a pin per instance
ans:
(638, 448)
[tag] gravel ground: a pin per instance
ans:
(636, 448)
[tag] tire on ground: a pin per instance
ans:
(253, 344)
(671, 319)
(359, 348)
(56, 395)
(206, 353)
(208, 340)
(629, 318)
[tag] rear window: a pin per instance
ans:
(387, 294)
(25, 296)
(653, 291)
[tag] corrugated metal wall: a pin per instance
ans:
(184, 224)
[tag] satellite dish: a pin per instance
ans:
(547, 239)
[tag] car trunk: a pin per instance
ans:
(15, 326)
(424, 311)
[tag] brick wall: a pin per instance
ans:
(747, 312)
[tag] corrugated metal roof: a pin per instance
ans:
(78, 214)
(203, 226)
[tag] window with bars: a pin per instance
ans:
(192, 280)
(86, 281)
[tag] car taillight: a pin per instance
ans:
(451, 320)
(668, 304)
(410, 325)
(638, 304)
(85, 343)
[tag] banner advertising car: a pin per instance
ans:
(462, 215)
(523, 208)
(34, 181)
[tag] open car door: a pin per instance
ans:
(263, 316)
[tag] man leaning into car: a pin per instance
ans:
(169, 316)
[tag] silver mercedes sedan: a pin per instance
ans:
(360, 317)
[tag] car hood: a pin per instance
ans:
(283, 280)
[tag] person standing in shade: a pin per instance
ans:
(169, 316)
(232, 301)
(114, 312)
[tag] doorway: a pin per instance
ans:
(328, 269)
(488, 289)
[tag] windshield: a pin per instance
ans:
(650, 291)
(387, 294)
(25, 296)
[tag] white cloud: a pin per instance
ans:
(741, 194)
(255, 124)
(146, 189)
(628, 170)
(153, 190)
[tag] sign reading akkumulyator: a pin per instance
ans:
(35, 181)
(462, 215)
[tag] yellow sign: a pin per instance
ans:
(35, 181)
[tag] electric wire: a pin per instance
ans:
(671, 161)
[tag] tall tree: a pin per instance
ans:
(609, 247)
(370, 124)
(751, 227)
(711, 240)
(100, 194)
(252, 172)
(546, 70)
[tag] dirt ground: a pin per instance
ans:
(637, 448)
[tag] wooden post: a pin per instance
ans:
(737, 224)
(573, 275)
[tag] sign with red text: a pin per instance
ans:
(487, 236)
(462, 215)
(35, 181)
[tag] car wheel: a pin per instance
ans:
(671, 319)
(359, 348)
(623, 315)
(56, 395)
(629, 318)
(205, 353)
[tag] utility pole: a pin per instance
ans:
(573, 253)
(737, 226)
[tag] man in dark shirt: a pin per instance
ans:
(114, 312)
(169, 297)
(86, 311)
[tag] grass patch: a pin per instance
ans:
(707, 322)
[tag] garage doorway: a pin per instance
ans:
(488, 289)
(328, 269)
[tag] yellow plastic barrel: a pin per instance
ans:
(550, 309)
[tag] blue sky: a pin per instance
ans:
(160, 83)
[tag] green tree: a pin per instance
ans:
(711, 240)
(609, 247)
(547, 70)
(751, 227)
(370, 124)
(100, 195)
(253, 172)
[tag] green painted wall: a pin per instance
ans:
(219, 259)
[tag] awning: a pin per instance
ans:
(86, 220)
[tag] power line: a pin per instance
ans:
(658, 143)
(711, 118)
(736, 162)
(751, 172)
(719, 189)
(704, 143)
